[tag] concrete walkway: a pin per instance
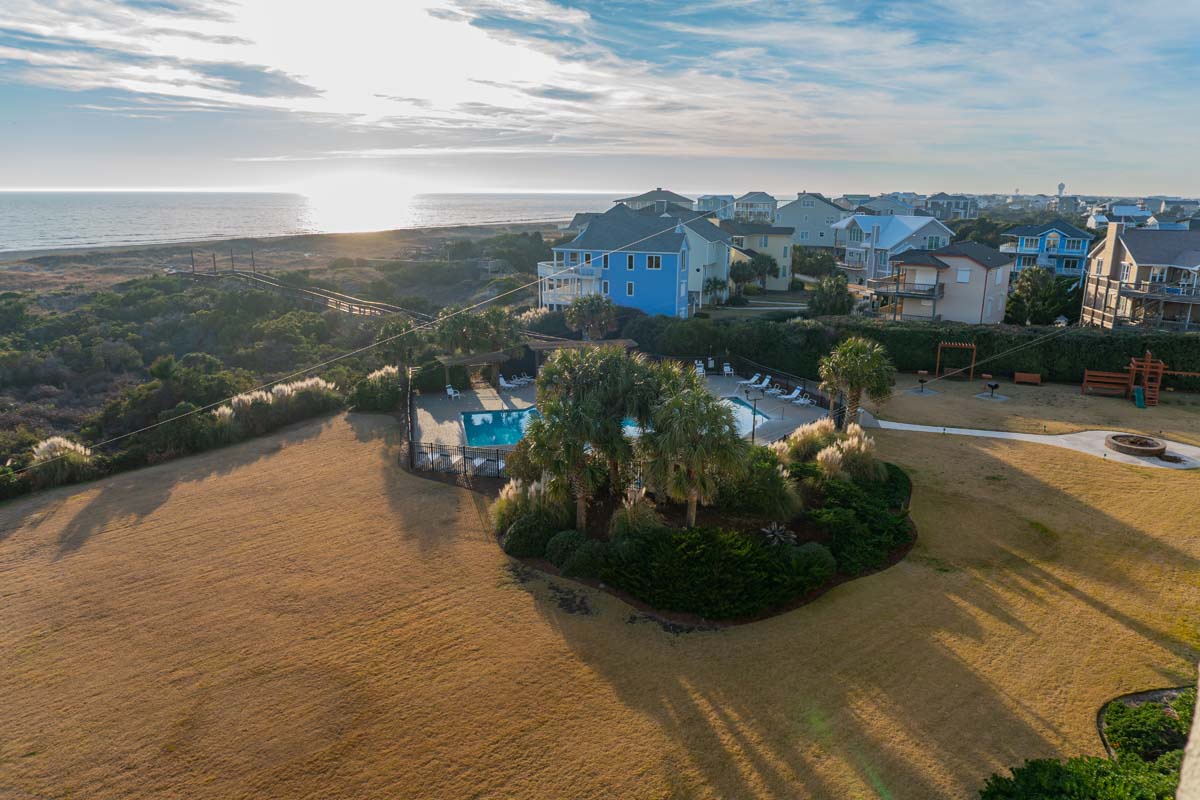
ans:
(1090, 442)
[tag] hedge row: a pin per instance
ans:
(797, 346)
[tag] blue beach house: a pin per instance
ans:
(637, 260)
(1058, 246)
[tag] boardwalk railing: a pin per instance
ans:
(488, 462)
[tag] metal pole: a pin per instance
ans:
(231, 267)
(193, 252)
(251, 261)
(214, 260)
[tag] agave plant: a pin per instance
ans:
(776, 534)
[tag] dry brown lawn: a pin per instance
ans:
(296, 617)
(1050, 408)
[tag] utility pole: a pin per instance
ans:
(193, 252)
(231, 267)
(214, 260)
(252, 261)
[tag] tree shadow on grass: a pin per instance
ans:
(121, 500)
(882, 682)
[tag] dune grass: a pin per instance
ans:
(294, 616)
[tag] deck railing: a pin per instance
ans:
(487, 462)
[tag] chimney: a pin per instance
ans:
(1113, 252)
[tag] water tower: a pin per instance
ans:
(1061, 186)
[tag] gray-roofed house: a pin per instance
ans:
(638, 260)
(757, 207)
(658, 197)
(749, 238)
(719, 204)
(812, 216)
(1143, 279)
(960, 282)
(709, 251)
(1056, 245)
(952, 206)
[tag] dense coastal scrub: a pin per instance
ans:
(797, 346)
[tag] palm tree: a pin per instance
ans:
(558, 445)
(764, 266)
(831, 296)
(594, 314)
(855, 366)
(713, 287)
(692, 443)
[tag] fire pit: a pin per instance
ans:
(1132, 444)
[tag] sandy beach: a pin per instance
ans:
(76, 269)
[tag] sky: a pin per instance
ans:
(722, 96)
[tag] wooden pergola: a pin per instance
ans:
(937, 368)
(471, 360)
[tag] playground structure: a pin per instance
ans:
(1145, 373)
(937, 368)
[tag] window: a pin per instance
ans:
(653, 262)
(572, 257)
(1070, 264)
(587, 258)
(629, 289)
(821, 235)
(629, 261)
(933, 242)
(807, 203)
(603, 287)
(805, 218)
(1028, 261)
(1158, 274)
(739, 241)
(605, 263)
(762, 241)
(1074, 244)
(964, 275)
(786, 258)
(1029, 242)
(856, 234)
(803, 236)
(1124, 272)
(829, 220)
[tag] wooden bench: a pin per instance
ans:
(1034, 378)
(1107, 382)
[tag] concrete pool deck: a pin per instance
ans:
(438, 419)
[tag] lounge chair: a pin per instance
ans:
(750, 381)
(700, 370)
(469, 465)
(775, 390)
(787, 398)
(763, 384)
(727, 370)
(506, 385)
(452, 393)
(526, 378)
(803, 400)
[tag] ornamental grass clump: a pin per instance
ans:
(805, 442)
(858, 455)
(829, 459)
(379, 391)
(58, 460)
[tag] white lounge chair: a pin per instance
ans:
(787, 398)
(727, 370)
(763, 384)
(803, 400)
(526, 378)
(700, 370)
(452, 393)
(775, 390)
(750, 381)
(506, 385)
(468, 464)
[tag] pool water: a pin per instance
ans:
(496, 428)
(744, 414)
(502, 428)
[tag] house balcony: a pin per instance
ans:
(1172, 293)
(886, 312)
(555, 269)
(853, 266)
(892, 287)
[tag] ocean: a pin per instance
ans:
(55, 220)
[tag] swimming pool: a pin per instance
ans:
(496, 428)
(503, 428)
(744, 414)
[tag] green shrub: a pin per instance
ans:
(379, 391)
(528, 535)
(1085, 778)
(751, 289)
(862, 531)
(764, 488)
(563, 545)
(1143, 730)
(715, 573)
(588, 560)
(1185, 708)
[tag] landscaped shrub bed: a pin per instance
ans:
(780, 531)
(1148, 738)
